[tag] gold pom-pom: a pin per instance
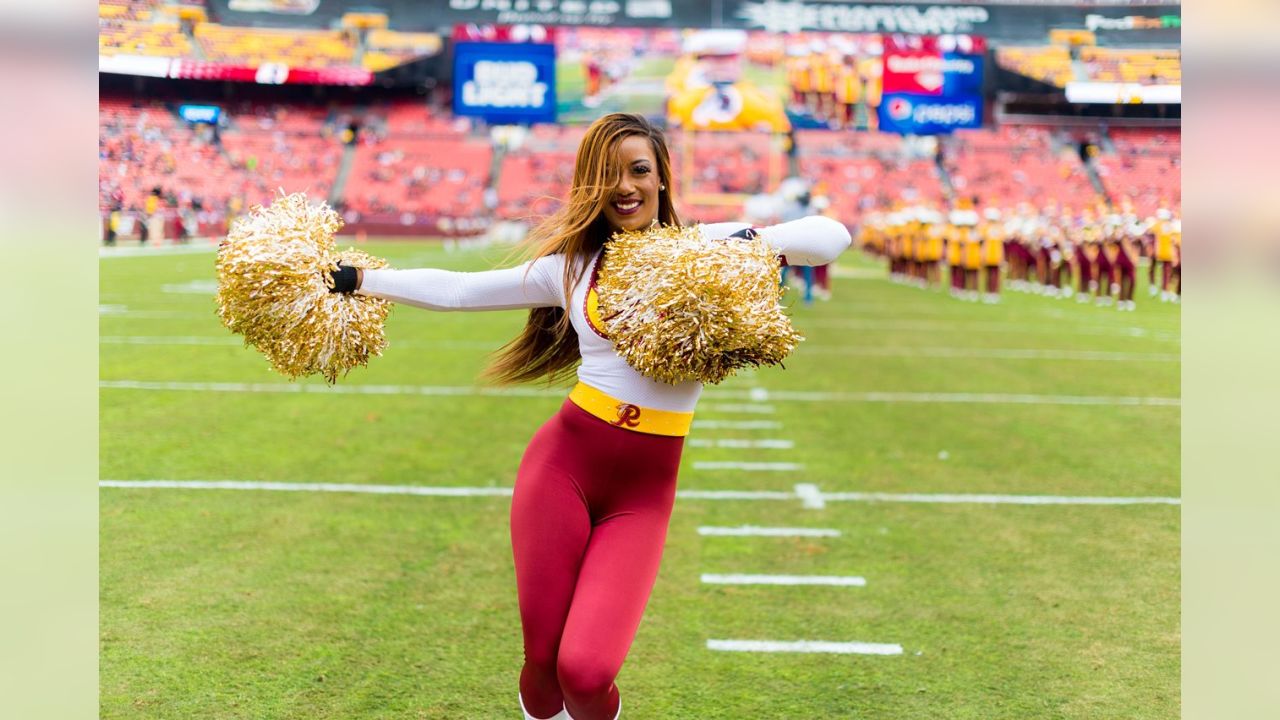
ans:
(273, 288)
(679, 306)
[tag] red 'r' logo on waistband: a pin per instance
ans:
(628, 415)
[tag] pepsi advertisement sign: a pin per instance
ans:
(929, 115)
(505, 83)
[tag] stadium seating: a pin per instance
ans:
(1050, 64)
(534, 177)
(427, 176)
(864, 171)
(388, 48)
(152, 27)
(1148, 67)
(1017, 164)
(724, 162)
(414, 118)
(143, 145)
(1147, 141)
(533, 183)
(256, 46)
(1146, 169)
(127, 10)
(133, 37)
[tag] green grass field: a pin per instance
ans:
(258, 604)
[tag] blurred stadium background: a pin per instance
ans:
(913, 428)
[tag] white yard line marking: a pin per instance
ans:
(687, 494)
(737, 424)
(308, 487)
(810, 496)
(755, 531)
(194, 287)
(975, 398)
(805, 646)
(742, 443)
(232, 340)
(780, 395)
(169, 340)
(735, 495)
(915, 312)
(996, 499)
(434, 390)
(858, 273)
(748, 466)
(735, 408)
(1056, 329)
(755, 394)
(991, 353)
(195, 246)
(741, 579)
(122, 311)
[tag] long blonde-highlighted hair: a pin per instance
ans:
(547, 348)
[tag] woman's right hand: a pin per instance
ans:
(346, 279)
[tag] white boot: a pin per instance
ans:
(562, 715)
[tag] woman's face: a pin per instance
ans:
(633, 204)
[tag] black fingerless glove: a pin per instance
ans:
(344, 279)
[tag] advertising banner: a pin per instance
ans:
(941, 65)
(265, 74)
(961, 74)
(910, 114)
(507, 83)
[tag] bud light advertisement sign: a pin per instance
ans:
(910, 114)
(505, 83)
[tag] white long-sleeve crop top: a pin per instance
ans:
(813, 240)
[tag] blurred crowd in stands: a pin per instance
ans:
(405, 166)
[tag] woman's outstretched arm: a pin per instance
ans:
(812, 240)
(537, 283)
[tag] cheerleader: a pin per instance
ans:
(595, 489)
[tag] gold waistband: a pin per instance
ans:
(629, 416)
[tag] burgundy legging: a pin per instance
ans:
(588, 522)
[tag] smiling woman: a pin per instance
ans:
(594, 492)
(634, 204)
